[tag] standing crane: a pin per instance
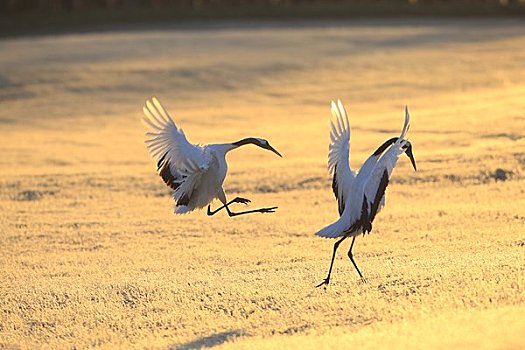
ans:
(195, 173)
(359, 196)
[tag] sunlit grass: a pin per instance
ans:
(92, 255)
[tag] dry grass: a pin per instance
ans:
(92, 255)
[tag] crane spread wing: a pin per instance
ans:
(380, 174)
(338, 154)
(179, 163)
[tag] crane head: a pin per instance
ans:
(266, 145)
(408, 151)
(257, 142)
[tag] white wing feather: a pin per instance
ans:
(386, 163)
(166, 137)
(339, 152)
(406, 125)
(370, 163)
(168, 145)
(339, 148)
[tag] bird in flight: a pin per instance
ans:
(360, 196)
(194, 172)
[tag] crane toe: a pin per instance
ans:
(325, 283)
(268, 210)
(241, 200)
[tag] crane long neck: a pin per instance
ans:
(227, 147)
(246, 141)
(384, 146)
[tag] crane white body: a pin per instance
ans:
(209, 182)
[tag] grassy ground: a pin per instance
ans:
(92, 255)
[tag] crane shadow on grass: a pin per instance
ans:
(209, 341)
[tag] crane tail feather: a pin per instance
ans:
(333, 230)
(182, 209)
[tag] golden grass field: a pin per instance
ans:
(92, 255)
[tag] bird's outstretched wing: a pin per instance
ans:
(380, 174)
(338, 154)
(179, 163)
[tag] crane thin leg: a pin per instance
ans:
(350, 255)
(261, 210)
(235, 200)
(243, 201)
(326, 281)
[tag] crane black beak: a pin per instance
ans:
(410, 155)
(270, 148)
